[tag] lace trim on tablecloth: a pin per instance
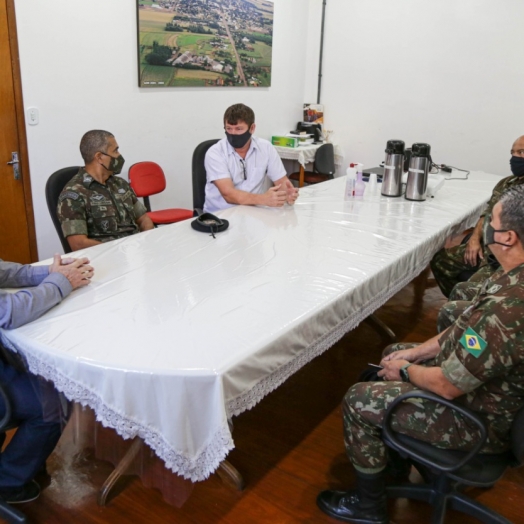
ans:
(250, 398)
(306, 155)
(197, 469)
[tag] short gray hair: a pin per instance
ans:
(512, 213)
(92, 142)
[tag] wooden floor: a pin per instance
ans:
(288, 448)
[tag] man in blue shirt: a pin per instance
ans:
(37, 432)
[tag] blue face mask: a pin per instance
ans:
(517, 165)
(489, 236)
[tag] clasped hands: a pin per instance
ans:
(76, 270)
(392, 363)
(278, 195)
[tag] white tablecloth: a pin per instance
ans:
(180, 331)
(306, 154)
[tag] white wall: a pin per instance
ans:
(79, 67)
(449, 73)
(446, 72)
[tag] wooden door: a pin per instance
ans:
(17, 230)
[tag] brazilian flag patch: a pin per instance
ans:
(473, 343)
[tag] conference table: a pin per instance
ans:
(180, 331)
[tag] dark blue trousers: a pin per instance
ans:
(36, 408)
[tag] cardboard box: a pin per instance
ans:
(284, 141)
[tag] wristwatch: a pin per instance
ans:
(403, 372)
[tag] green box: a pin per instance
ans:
(284, 141)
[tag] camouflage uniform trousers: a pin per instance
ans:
(364, 407)
(461, 296)
(447, 266)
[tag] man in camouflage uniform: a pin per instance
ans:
(448, 264)
(479, 361)
(95, 206)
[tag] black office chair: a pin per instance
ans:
(323, 167)
(54, 185)
(199, 175)
(7, 512)
(451, 470)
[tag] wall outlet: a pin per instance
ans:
(33, 117)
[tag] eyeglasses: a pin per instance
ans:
(243, 162)
(518, 152)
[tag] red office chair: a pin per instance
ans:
(147, 178)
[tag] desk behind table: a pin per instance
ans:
(305, 155)
(180, 331)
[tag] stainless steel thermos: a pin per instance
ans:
(418, 172)
(392, 180)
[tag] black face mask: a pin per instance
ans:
(517, 165)
(238, 141)
(115, 164)
(489, 236)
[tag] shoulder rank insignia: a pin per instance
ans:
(68, 194)
(493, 289)
(473, 343)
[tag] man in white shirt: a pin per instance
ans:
(237, 167)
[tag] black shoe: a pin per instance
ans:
(346, 506)
(26, 493)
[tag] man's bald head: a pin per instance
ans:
(518, 147)
(516, 161)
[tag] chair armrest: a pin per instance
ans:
(390, 434)
(465, 240)
(7, 403)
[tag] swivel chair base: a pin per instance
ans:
(442, 496)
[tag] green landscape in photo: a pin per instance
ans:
(205, 43)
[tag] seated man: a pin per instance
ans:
(448, 264)
(95, 206)
(238, 165)
(480, 358)
(39, 428)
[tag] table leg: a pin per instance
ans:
(230, 475)
(119, 470)
(301, 176)
(382, 327)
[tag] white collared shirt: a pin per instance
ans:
(222, 161)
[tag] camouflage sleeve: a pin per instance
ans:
(488, 348)
(495, 196)
(138, 208)
(71, 211)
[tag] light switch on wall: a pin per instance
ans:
(33, 118)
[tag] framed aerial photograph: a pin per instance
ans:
(205, 43)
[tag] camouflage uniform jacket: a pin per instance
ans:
(500, 188)
(102, 212)
(483, 354)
